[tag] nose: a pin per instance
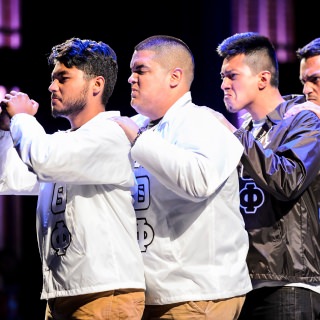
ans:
(53, 86)
(132, 79)
(225, 84)
(307, 88)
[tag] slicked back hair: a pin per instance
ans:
(309, 50)
(259, 52)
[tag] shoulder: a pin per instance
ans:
(140, 120)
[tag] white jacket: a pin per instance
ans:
(86, 224)
(190, 228)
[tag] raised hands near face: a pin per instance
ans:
(19, 102)
(308, 105)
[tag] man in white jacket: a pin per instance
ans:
(86, 224)
(190, 229)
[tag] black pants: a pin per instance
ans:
(281, 303)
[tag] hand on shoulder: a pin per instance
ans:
(308, 105)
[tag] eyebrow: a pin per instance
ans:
(314, 75)
(59, 73)
(227, 71)
(139, 66)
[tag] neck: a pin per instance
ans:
(264, 106)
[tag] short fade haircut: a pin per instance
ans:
(258, 49)
(93, 58)
(171, 51)
(309, 50)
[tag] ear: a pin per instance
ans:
(176, 76)
(265, 77)
(98, 84)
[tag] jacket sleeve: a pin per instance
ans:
(286, 166)
(96, 153)
(15, 178)
(192, 156)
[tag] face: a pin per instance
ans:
(239, 85)
(149, 84)
(68, 91)
(310, 78)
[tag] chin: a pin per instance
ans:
(230, 109)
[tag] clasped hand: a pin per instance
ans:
(13, 103)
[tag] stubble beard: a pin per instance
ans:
(72, 106)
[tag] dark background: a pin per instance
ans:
(201, 24)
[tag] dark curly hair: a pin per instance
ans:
(93, 58)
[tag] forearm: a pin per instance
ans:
(15, 178)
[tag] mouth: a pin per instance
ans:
(55, 99)
(226, 97)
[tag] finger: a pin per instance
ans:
(35, 104)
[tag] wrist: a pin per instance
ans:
(136, 138)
